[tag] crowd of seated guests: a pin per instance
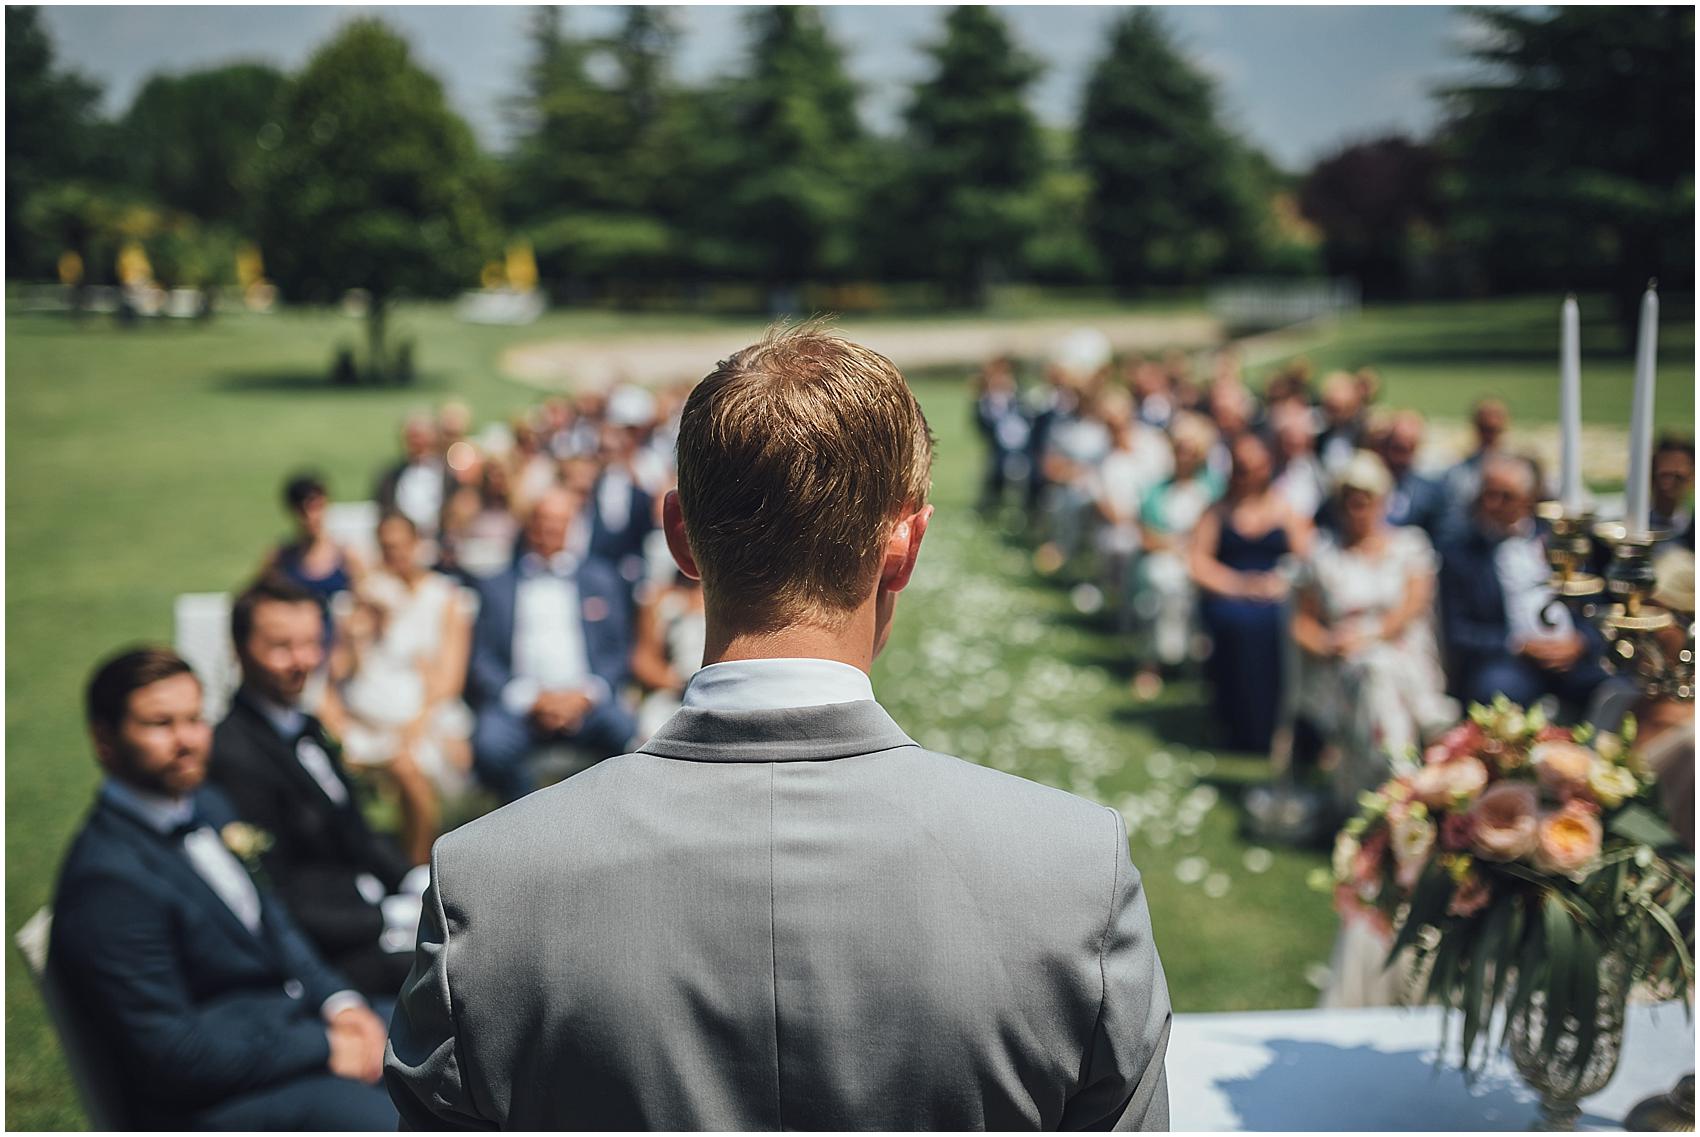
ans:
(1327, 572)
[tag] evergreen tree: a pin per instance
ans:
(375, 183)
(797, 183)
(1575, 152)
(974, 154)
(1171, 200)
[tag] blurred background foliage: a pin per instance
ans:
(1566, 161)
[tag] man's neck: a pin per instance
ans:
(853, 643)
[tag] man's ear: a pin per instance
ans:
(105, 747)
(673, 525)
(902, 548)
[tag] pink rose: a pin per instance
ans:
(1471, 896)
(1457, 831)
(1503, 825)
(1563, 767)
(1438, 784)
(1568, 840)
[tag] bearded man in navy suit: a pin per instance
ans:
(550, 652)
(216, 1010)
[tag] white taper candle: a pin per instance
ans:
(1638, 488)
(1571, 495)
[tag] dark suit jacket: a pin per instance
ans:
(615, 546)
(785, 919)
(319, 848)
(193, 1006)
(603, 616)
(1473, 622)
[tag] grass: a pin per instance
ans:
(144, 463)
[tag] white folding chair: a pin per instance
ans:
(93, 1070)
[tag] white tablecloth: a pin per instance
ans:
(1375, 1070)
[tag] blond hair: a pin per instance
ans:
(795, 457)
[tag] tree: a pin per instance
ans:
(1170, 201)
(52, 132)
(974, 154)
(797, 184)
(1369, 199)
(194, 141)
(374, 183)
(1575, 150)
(593, 177)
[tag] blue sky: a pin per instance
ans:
(1297, 81)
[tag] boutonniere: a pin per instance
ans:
(248, 842)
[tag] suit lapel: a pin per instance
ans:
(171, 863)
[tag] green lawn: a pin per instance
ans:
(145, 463)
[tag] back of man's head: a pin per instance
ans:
(795, 456)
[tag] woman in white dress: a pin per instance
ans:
(399, 669)
(1371, 679)
(670, 637)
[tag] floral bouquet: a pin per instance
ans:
(1515, 858)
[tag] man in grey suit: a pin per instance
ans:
(781, 912)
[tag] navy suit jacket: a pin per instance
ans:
(1474, 626)
(194, 1007)
(603, 616)
(615, 546)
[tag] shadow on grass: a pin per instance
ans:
(307, 381)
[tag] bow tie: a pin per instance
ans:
(195, 820)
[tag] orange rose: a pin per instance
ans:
(1568, 841)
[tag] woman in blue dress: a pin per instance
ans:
(312, 559)
(1236, 554)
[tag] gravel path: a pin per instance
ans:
(560, 365)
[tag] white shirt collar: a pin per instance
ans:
(774, 684)
(287, 721)
(157, 811)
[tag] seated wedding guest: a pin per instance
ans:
(1236, 553)
(667, 649)
(419, 484)
(1165, 602)
(1139, 458)
(1370, 675)
(707, 933)
(1078, 444)
(529, 467)
(1342, 405)
(1415, 498)
(310, 558)
(1503, 629)
(1231, 408)
(399, 670)
(1075, 365)
(1300, 479)
(1004, 428)
(483, 526)
(216, 1010)
(1154, 390)
(348, 888)
(551, 649)
(1672, 507)
(621, 509)
(1462, 483)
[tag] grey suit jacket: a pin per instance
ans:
(785, 919)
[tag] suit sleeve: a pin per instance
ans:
(1125, 1083)
(1467, 632)
(116, 944)
(486, 673)
(424, 1062)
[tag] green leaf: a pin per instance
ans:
(1677, 939)
(1484, 950)
(1428, 906)
(1641, 825)
(1561, 969)
(1586, 998)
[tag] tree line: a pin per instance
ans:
(1566, 162)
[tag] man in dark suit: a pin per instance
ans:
(622, 512)
(420, 484)
(349, 888)
(1504, 631)
(216, 1010)
(550, 651)
(781, 912)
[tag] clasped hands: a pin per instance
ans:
(356, 1036)
(1555, 653)
(558, 712)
